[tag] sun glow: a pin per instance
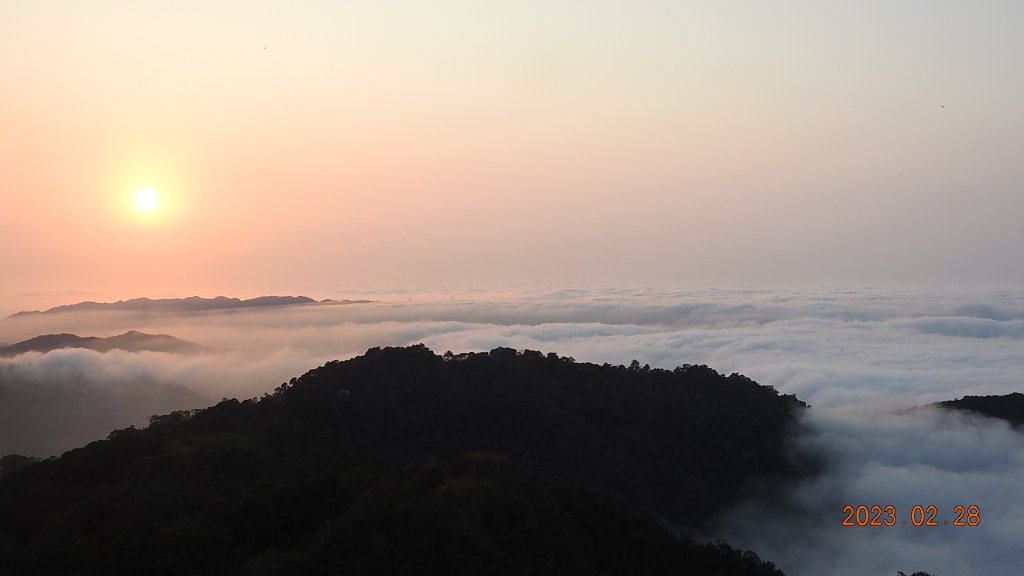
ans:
(147, 199)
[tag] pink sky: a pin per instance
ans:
(315, 147)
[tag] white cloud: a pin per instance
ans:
(861, 358)
(965, 327)
(57, 401)
(903, 459)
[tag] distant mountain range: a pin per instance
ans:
(1009, 407)
(131, 341)
(190, 304)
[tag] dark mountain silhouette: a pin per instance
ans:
(190, 304)
(13, 462)
(404, 462)
(131, 341)
(1009, 407)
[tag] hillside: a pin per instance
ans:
(401, 461)
(165, 305)
(1009, 407)
(131, 341)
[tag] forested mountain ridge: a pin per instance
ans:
(132, 341)
(402, 461)
(190, 304)
(1009, 407)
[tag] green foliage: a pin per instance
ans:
(400, 461)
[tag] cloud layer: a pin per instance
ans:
(862, 358)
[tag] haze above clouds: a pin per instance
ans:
(327, 145)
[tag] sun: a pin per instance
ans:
(147, 199)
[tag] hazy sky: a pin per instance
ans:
(313, 146)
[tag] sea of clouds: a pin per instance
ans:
(866, 360)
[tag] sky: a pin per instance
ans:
(318, 146)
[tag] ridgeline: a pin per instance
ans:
(1009, 407)
(131, 341)
(190, 305)
(401, 461)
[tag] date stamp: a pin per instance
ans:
(919, 516)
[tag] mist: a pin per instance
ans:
(866, 360)
(53, 402)
(926, 457)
